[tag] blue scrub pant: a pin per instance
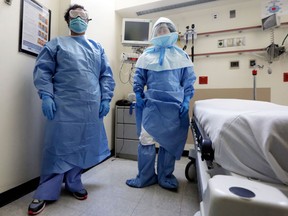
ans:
(50, 185)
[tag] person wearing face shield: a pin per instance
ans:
(162, 110)
(75, 83)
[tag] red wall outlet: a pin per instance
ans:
(203, 79)
(285, 77)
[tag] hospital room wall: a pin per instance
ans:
(22, 122)
(217, 67)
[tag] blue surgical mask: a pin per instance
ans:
(78, 25)
(165, 40)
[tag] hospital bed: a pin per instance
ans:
(240, 157)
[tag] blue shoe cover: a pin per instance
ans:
(170, 183)
(137, 183)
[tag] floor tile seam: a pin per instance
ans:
(138, 203)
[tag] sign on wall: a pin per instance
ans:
(35, 24)
(270, 7)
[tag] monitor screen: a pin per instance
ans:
(136, 32)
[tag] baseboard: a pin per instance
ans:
(19, 191)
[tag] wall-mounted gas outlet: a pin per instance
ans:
(9, 2)
(231, 42)
(221, 43)
(240, 41)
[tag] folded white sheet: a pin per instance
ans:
(249, 137)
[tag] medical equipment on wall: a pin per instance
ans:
(129, 58)
(273, 51)
(190, 34)
(136, 32)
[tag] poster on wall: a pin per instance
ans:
(35, 24)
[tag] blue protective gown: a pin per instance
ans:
(77, 75)
(167, 72)
(165, 92)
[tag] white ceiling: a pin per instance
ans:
(130, 12)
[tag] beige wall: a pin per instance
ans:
(22, 123)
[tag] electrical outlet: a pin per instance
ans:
(215, 16)
(234, 64)
(252, 63)
(232, 13)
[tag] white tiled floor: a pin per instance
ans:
(110, 196)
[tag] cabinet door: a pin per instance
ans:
(127, 148)
(126, 131)
(129, 118)
(130, 131)
(124, 116)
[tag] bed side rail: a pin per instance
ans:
(202, 140)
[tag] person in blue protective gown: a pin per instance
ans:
(162, 110)
(75, 82)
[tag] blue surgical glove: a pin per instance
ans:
(48, 107)
(139, 100)
(184, 109)
(104, 108)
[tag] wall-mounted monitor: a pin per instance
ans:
(271, 21)
(136, 32)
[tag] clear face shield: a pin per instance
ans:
(162, 29)
(79, 13)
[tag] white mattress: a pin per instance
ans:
(249, 137)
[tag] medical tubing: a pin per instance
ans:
(284, 39)
(272, 36)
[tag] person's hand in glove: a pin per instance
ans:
(48, 107)
(104, 108)
(139, 100)
(184, 106)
